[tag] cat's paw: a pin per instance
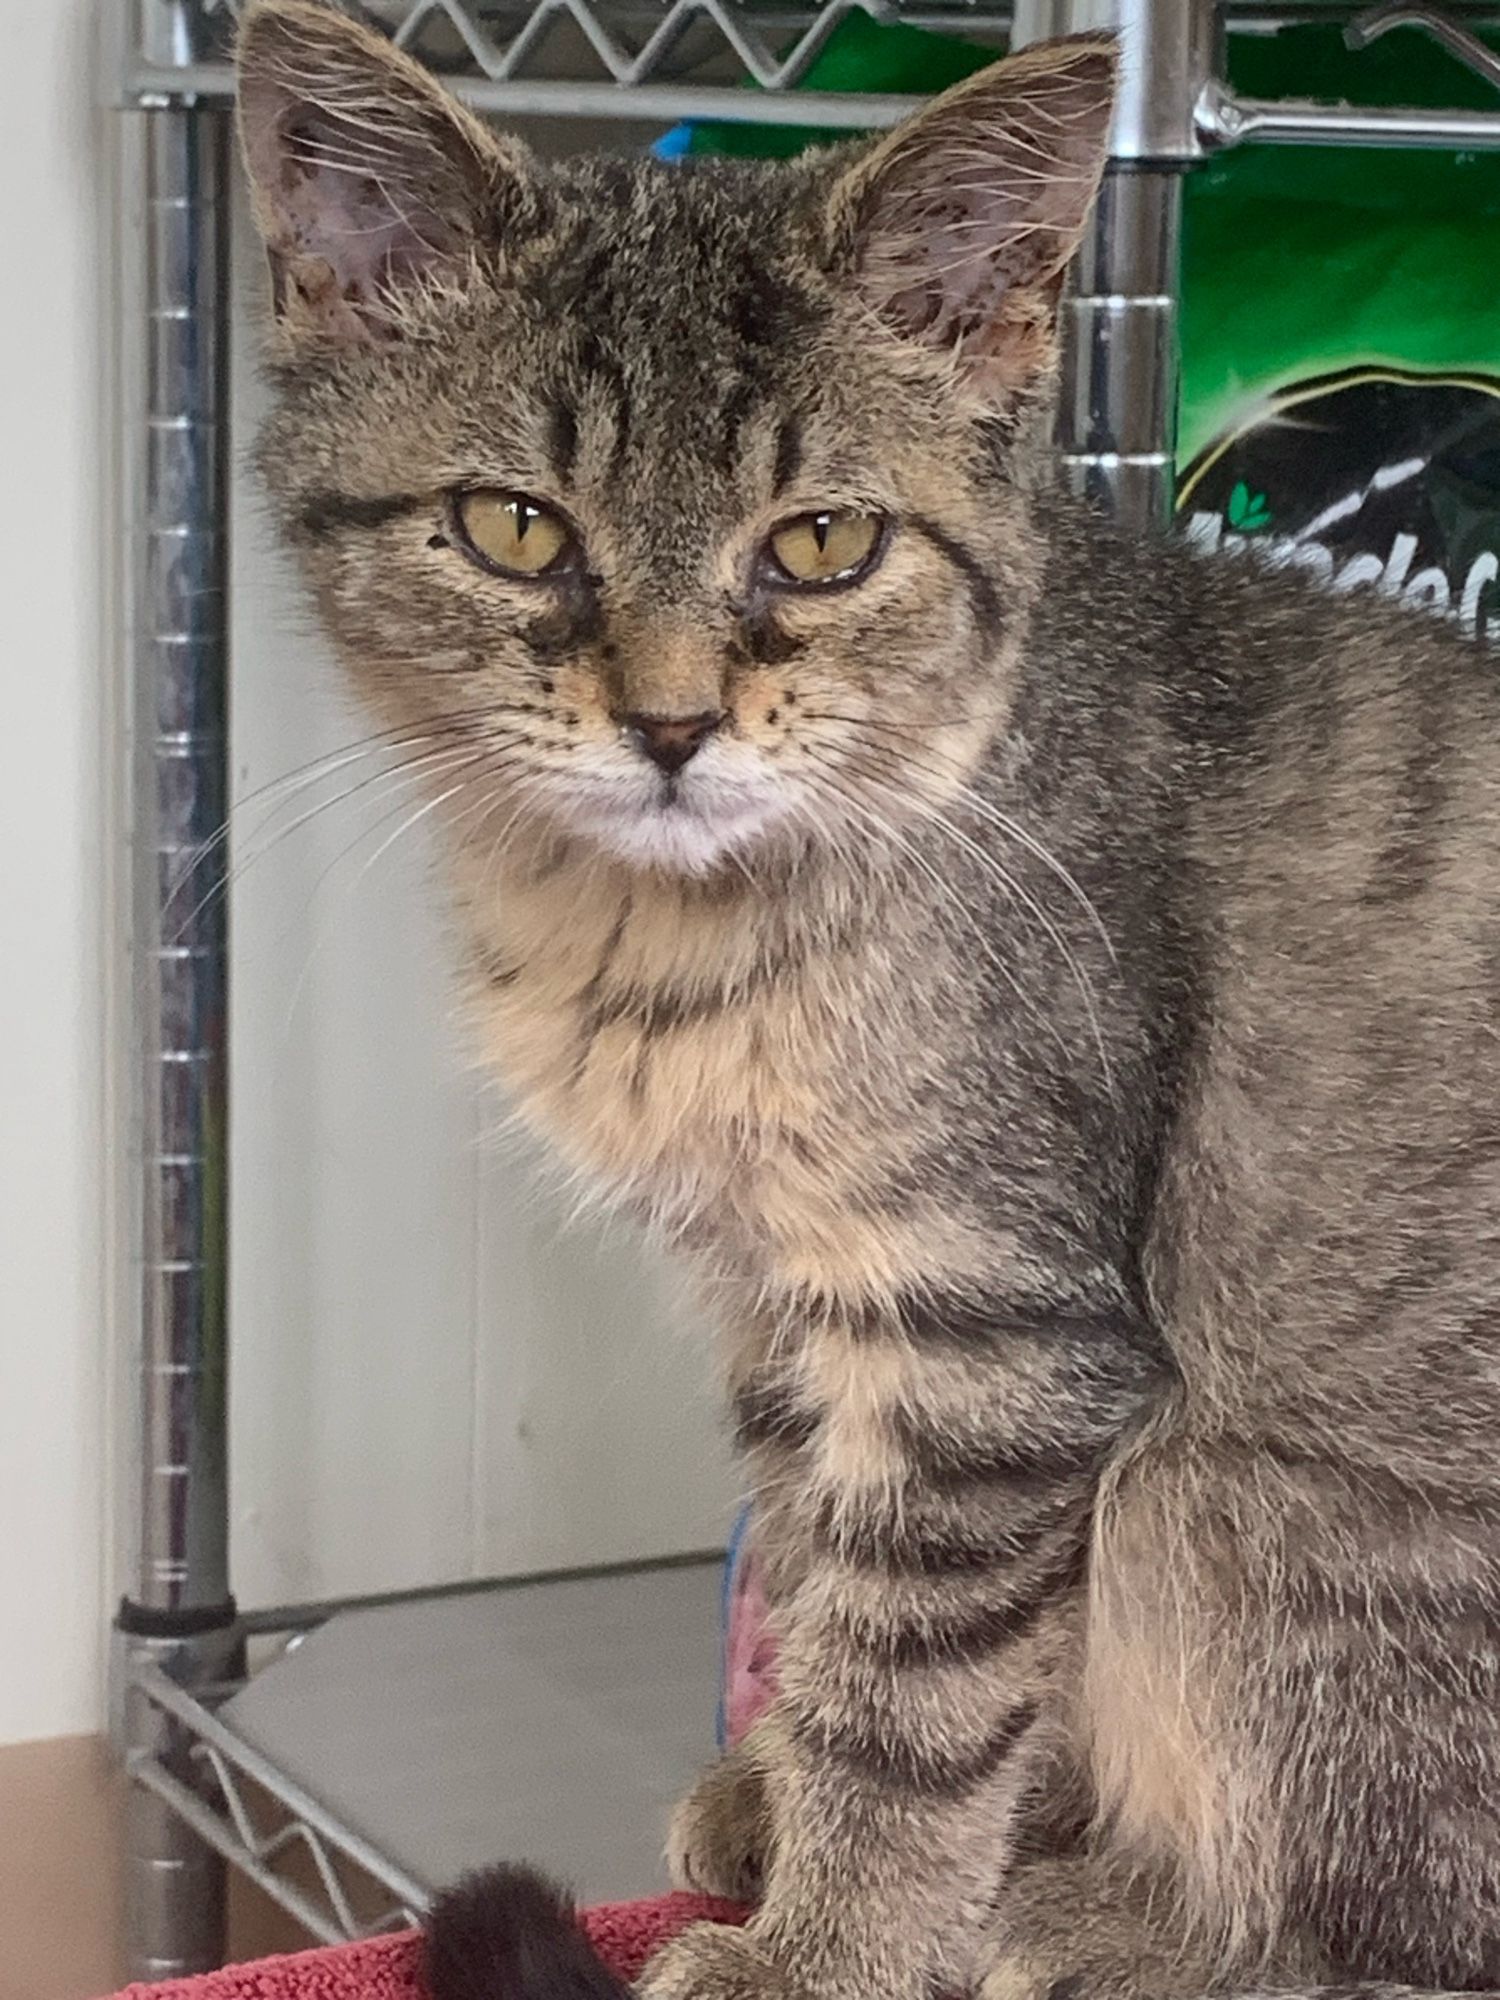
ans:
(1024, 1979)
(715, 1962)
(719, 1837)
(1075, 1928)
(1067, 1978)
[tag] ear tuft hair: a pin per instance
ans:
(959, 225)
(367, 177)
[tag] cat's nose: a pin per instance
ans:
(670, 740)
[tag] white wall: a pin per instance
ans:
(432, 1379)
(52, 830)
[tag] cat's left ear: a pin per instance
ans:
(958, 227)
(367, 178)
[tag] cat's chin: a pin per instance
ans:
(677, 839)
(711, 816)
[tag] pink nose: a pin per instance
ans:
(670, 740)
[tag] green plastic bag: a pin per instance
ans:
(1341, 339)
(860, 54)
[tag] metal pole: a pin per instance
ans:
(1228, 120)
(1117, 424)
(177, 1613)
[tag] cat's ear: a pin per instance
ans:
(366, 177)
(957, 227)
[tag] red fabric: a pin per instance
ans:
(389, 1968)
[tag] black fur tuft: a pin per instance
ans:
(509, 1934)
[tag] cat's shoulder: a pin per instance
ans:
(1162, 611)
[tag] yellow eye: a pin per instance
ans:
(512, 533)
(826, 548)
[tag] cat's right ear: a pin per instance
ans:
(368, 180)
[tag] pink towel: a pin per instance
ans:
(750, 1679)
(389, 1968)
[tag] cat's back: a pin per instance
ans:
(1336, 753)
(1251, 654)
(1331, 773)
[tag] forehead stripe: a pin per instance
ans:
(788, 462)
(562, 436)
(323, 513)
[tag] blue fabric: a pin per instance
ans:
(672, 145)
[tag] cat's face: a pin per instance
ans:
(668, 509)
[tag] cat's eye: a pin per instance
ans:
(512, 533)
(825, 548)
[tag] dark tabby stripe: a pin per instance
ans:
(577, 620)
(983, 596)
(738, 405)
(907, 1543)
(324, 513)
(1071, 1987)
(660, 1010)
(881, 1758)
(766, 643)
(767, 310)
(562, 436)
(963, 1638)
(765, 1414)
(606, 370)
(788, 462)
(943, 1463)
(965, 1319)
(588, 999)
(1382, 1607)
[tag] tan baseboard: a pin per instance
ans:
(60, 1831)
(258, 1928)
(59, 1872)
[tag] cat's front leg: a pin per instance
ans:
(930, 1647)
(889, 1831)
(719, 1838)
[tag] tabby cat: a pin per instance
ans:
(1048, 987)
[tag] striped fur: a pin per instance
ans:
(1057, 1017)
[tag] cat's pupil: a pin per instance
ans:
(525, 514)
(820, 527)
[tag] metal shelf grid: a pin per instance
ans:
(639, 59)
(244, 1808)
(203, 1794)
(647, 59)
(351, 1757)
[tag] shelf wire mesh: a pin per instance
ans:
(633, 43)
(333, 1882)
